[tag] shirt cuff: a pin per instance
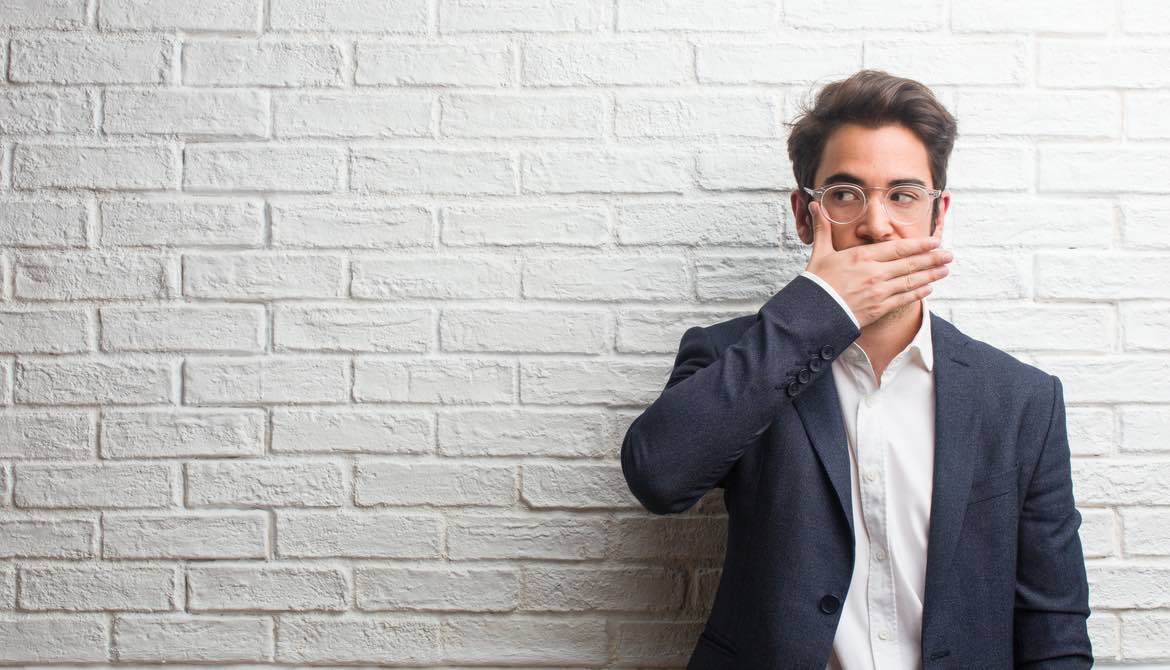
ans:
(836, 296)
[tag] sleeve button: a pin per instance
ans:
(803, 376)
(827, 351)
(793, 388)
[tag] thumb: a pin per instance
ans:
(822, 234)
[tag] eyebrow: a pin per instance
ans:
(853, 179)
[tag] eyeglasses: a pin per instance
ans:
(906, 204)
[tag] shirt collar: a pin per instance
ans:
(920, 348)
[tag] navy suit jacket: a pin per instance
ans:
(751, 406)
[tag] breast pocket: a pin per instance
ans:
(998, 483)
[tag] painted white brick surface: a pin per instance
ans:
(321, 322)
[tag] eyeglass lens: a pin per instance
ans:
(905, 204)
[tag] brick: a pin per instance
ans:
(265, 379)
(1146, 532)
(42, 112)
(349, 224)
(508, 640)
(110, 485)
(345, 431)
(539, 536)
(93, 275)
(263, 275)
(734, 15)
(186, 222)
(1101, 275)
(624, 63)
(219, 16)
(1144, 635)
(99, 587)
(1030, 326)
(662, 538)
(913, 16)
(54, 638)
(961, 61)
(83, 59)
(129, 168)
(1128, 586)
(357, 534)
(84, 380)
(1144, 16)
(1102, 378)
(1143, 115)
(696, 116)
(439, 277)
(269, 587)
(658, 331)
(277, 63)
(513, 330)
(380, 482)
(397, 16)
(1030, 221)
(1121, 481)
(576, 485)
(42, 223)
(182, 433)
(183, 328)
(421, 171)
(1078, 16)
(568, 589)
(53, 14)
(979, 274)
(1081, 63)
(264, 483)
(757, 63)
(523, 115)
(299, 169)
(754, 278)
(699, 224)
(45, 331)
(450, 589)
(590, 382)
(51, 434)
(992, 168)
(27, 536)
(578, 16)
(185, 112)
(1094, 168)
(1145, 327)
(445, 381)
(1144, 429)
(1042, 113)
(343, 328)
(407, 63)
(192, 639)
(607, 278)
(577, 225)
(347, 640)
(735, 168)
(619, 170)
(333, 115)
(186, 536)
(521, 433)
(1146, 222)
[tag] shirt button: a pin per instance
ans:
(885, 634)
(870, 475)
(880, 554)
(869, 401)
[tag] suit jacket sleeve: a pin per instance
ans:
(1052, 593)
(715, 404)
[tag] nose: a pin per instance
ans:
(875, 222)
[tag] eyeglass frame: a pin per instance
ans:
(819, 193)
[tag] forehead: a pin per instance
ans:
(876, 155)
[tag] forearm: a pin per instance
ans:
(694, 432)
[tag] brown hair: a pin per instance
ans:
(872, 98)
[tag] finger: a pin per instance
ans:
(822, 233)
(924, 261)
(910, 283)
(894, 249)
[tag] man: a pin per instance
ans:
(899, 494)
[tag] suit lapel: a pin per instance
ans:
(957, 385)
(820, 411)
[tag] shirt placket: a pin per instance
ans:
(874, 502)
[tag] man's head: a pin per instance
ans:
(872, 129)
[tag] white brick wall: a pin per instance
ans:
(321, 322)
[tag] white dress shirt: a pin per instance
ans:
(890, 427)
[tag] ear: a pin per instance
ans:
(944, 205)
(803, 217)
